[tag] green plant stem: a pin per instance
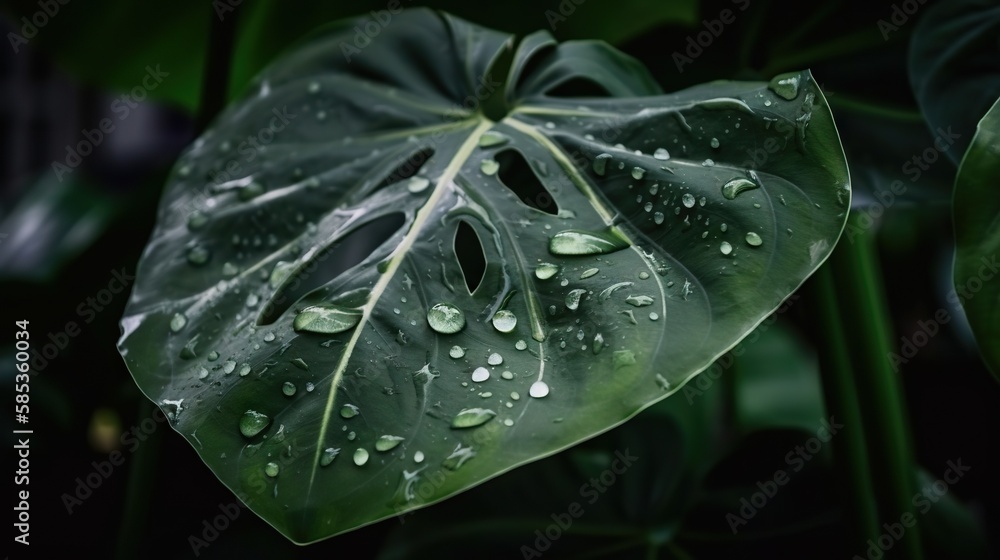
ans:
(141, 482)
(861, 301)
(840, 393)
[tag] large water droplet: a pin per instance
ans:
(360, 456)
(492, 138)
(417, 184)
(725, 247)
(573, 298)
(385, 443)
(326, 319)
(736, 186)
(177, 322)
(445, 318)
(588, 273)
(661, 154)
(418, 457)
(196, 220)
(578, 242)
(348, 411)
(472, 417)
(504, 321)
(480, 374)
(288, 388)
(494, 359)
(328, 455)
(785, 85)
(456, 352)
(753, 239)
(639, 301)
(489, 166)
(271, 469)
(601, 163)
(253, 423)
(538, 389)
(198, 255)
(688, 200)
(545, 271)
(714, 142)
(638, 173)
(521, 345)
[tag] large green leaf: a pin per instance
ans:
(977, 239)
(674, 269)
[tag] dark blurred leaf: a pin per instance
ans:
(954, 65)
(53, 222)
(977, 238)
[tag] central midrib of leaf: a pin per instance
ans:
(419, 221)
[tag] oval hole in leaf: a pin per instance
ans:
(471, 257)
(343, 255)
(578, 87)
(517, 175)
(408, 168)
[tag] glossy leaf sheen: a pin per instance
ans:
(977, 239)
(412, 92)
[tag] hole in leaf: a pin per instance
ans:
(344, 254)
(408, 168)
(517, 175)
(579, 87)
(471, 258)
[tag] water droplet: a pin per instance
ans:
(313, 87)
(300, 363)
(230, 269)
(708, 163)
(489, 166)
(598, 343)
(196, 220)
(456, 352)
(504, 321)
(688, 200)
(578, 242)
(653, 316)
(281, 271)
(638, 172)
(251, 191)
(472, 417)
(623, 358)
(735, 186)
(417, 184)
(177, 322)
(252, 300)
(271, 469)
(445, 318)
(349, 411)
(360, 456)
(725, 247)
(507, 375)
(521, 345)
(492, 138)
(785, 85)
(538, 389)
(494, 359)
(228, 367)
(753, 239)
(202, 373)
(351, 436)
(639, 301)
(723, 228)
(418, 457)
(269, 337)
(714, 142)
(326, 319)
(573, 299)
(328, 455)
(480, 374)
(288, 388)
(385, 443)
(643, 275)
(544, 271)
(253, 423)
(588, 273)
(198, 255)
(702, 201)
(245, 370)
(601, 163)
(661, 154)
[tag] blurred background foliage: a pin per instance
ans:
(895, 74)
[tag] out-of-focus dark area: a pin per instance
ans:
(101, 99)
